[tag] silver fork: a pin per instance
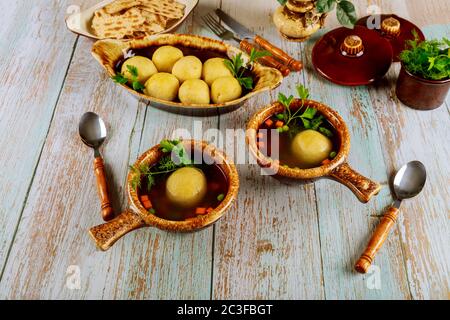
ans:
(219, 30)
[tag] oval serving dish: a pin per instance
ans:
(80, 22)
(109, 53)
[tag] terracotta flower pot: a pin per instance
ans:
(419, 93)
(338, 169)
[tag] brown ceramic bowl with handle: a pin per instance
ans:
(338, 169)
(136, 216)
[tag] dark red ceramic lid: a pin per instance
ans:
(352, 57)
(397, 39)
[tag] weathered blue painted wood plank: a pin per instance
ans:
(32, 70)
(63, 204)
(181, 264)
(268, 246)
(344, 223)
(406, 135)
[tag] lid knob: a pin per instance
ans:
(300, 6)
(352, 46)
(390, 26)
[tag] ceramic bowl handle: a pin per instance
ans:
(102, 187)
(106, 234)
(382, 231)
(361, 186)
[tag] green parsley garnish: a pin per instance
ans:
(309, 118)
(135, 84)
(427, 59)
(175, 157)
(119, 78)
(220, 197)
(237, 67)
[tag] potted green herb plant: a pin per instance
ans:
(297, 20)
(424, 79)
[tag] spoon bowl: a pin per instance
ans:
(93, 133)
(409, 180)
(92, 130)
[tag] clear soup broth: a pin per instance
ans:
(217, 184)
(285, 154)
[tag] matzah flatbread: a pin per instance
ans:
(125, 19)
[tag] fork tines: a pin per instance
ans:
(214, 25)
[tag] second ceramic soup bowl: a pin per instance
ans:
(136, 216)
(337, 169)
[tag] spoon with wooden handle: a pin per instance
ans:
(92, 131)
(408, 182)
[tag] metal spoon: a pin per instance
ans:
(92, 131)
(408, 182)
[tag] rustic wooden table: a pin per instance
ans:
(278, 241)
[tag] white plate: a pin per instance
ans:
(80, 22)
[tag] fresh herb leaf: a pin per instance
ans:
(306, 123)
(229, 64)
(285, 100)
(256, 54)
(176, 148)
(282, 2)
(325, 132)
(303, 92)
(447, 42)
(151, 211)
(135, 84)
(309, 113)
(310, 119)
(237, 67)
(165, 165)
(220, 197)
(346, 13)
(427, 59)
(333, 154)
(182, 155)
(150, 181)
(316, 122)
(168, 144)
(119, 78)
(133, 71)
(142, 169)
(138, 86)
(345, 10)
(246, 82)
(324, 6)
